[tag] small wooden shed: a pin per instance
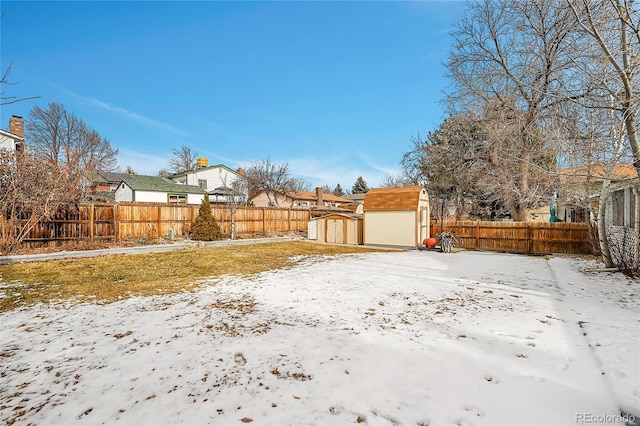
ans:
(396, 216)
(339, 228)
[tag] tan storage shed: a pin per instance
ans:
(339, 228)
(396, 216)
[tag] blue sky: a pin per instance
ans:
(335, 89)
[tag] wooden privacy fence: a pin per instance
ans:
(157, 220)
(116, 222)
(521, 237)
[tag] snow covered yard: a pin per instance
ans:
(414, 338)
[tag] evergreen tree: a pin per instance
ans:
(205, 226)
(360, 187)
(338, 192)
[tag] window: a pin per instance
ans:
(579, 215)
(618, 208)
(178, 198)
(202, 183)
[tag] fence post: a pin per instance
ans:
(264, 221)
(289, 220)
(116, 224)
(477, 235)
(92, 216)
(159, 221)
(529, 239)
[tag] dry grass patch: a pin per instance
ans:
(109, 278)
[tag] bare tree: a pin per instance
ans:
(614, 25)
(184, 159)
(396, 181)
(236, 198)
(508, 61)
(8, 100)
(235, 193)
(590, 142)
(274, 180)
(31, 189)
(62, 138)
(163, 172)
(517, 163)
(94, 152)
(65, 141)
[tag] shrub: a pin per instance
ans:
(205, 226)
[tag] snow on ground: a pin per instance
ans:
(415, 338)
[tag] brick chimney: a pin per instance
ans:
(241, 171)
(319, 200)
(16, 126)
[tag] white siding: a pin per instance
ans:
(7, 143)
(123, 193)
(216, 177)
(150, 197)
(390, 228)
(195, 198)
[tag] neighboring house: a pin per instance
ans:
(299, 200)
(13, 140)
(623, 220)
(101, 186)
(581, 182)
(157, 189)
(356, 198)
(581, 187)
(219, 181)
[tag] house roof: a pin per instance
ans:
(396, 199)
(158, 184)
(621, 171)
(356, 197)
(311, 196)
(200, 169)
(11, 135)
(104, 177)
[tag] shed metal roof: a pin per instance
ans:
(405, 198)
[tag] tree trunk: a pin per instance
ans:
(636, 253)
(632, 135)
(602, 226)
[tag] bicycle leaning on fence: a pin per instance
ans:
(448, 241)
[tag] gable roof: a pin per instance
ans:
(11, 135)
(158, 184)
(201, 169)
(396, 199)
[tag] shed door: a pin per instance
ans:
(423, 225)
(312, 230)
(335, 232)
